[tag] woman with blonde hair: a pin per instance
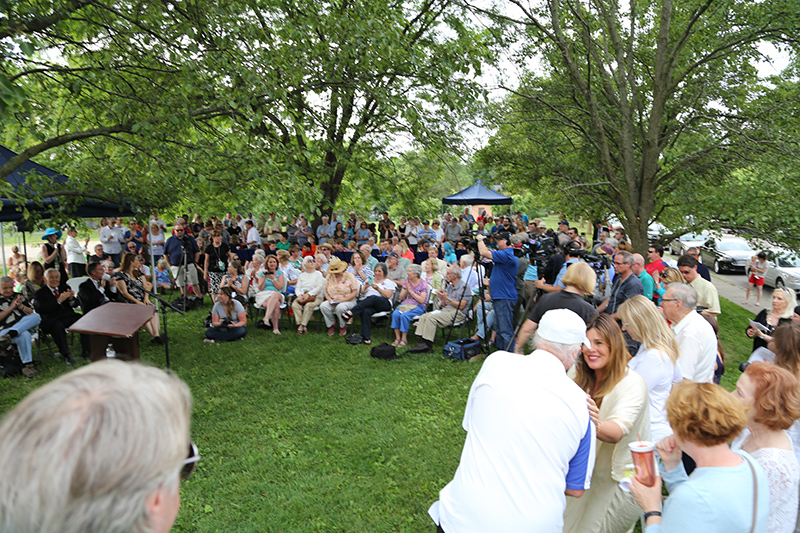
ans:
(657, 359)
(726, 492)
(618, 406)
(431, 275)
(667, 276)
(772, 397)
(783, 304)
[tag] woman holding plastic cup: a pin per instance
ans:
(618, 405)
(772, 398)
(728, 490)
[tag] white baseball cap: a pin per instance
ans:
(564, 327)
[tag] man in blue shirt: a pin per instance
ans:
(173, 254)
(426, 233)
(503, 285)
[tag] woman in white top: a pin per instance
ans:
(156, 240)
(309, 294)
(76, 253)
(657, 358)
(376, 297)
(772, 396)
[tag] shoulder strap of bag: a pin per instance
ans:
(755, 494)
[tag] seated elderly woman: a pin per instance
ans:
(413, 302)
(228, 318)
(309, 293)
(772, 397)
(341, 290)
(376, 297)
(430, 273)
(270, 282)
(728, 491)
(163, 280)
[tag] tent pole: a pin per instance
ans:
(3, 247)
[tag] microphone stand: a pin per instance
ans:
(168, 305)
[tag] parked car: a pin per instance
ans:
(654, 231)
(727, 254)
(784, 270)
(679, 246)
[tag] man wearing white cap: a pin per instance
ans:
(530, 441)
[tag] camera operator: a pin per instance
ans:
(572, 255)
(503, 286)
(178, 261)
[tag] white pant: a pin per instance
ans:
(333, 311)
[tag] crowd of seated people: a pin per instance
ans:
(633, 368)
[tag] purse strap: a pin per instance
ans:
(755, 494)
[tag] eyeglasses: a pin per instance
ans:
(190, 463)
(669, 300)
(178, 231)
(619, 264)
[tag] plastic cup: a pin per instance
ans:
(644, 461)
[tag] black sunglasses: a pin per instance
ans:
(191, 461)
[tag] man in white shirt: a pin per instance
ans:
(252, 238)
(697, 342)
(530, 441)
(112, 238)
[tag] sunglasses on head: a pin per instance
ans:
(190, 463)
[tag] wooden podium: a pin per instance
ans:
(117, 324)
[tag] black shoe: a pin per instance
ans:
(12, 333)
(422, 347)
(261, 325)
(156, 340)
(69, 359)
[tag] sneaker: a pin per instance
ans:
(331, 330)
(208, 341)
(29, 371)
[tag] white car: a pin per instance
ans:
(783, 271)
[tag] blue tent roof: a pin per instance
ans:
(88, 209)
(477, 194)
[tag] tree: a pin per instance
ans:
(283, 97)
(635, 105)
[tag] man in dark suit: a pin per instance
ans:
(94, 292)
(54, 303)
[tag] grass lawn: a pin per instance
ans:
(311, 434)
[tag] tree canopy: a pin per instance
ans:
(164, 100)
(636, 109)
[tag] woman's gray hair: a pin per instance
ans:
(382, 267)
(84, 452)
(416, 269)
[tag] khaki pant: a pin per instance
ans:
(426, 327)
(304, 312)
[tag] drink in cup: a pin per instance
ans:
(644, 460)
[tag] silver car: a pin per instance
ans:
(783, 271)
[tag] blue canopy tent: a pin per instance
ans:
(89, 208)
(12, 210)
(477, 194)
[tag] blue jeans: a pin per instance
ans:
(504, 323)
(402, 321)
(24, 328)
(225, 334)
(490, 316)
